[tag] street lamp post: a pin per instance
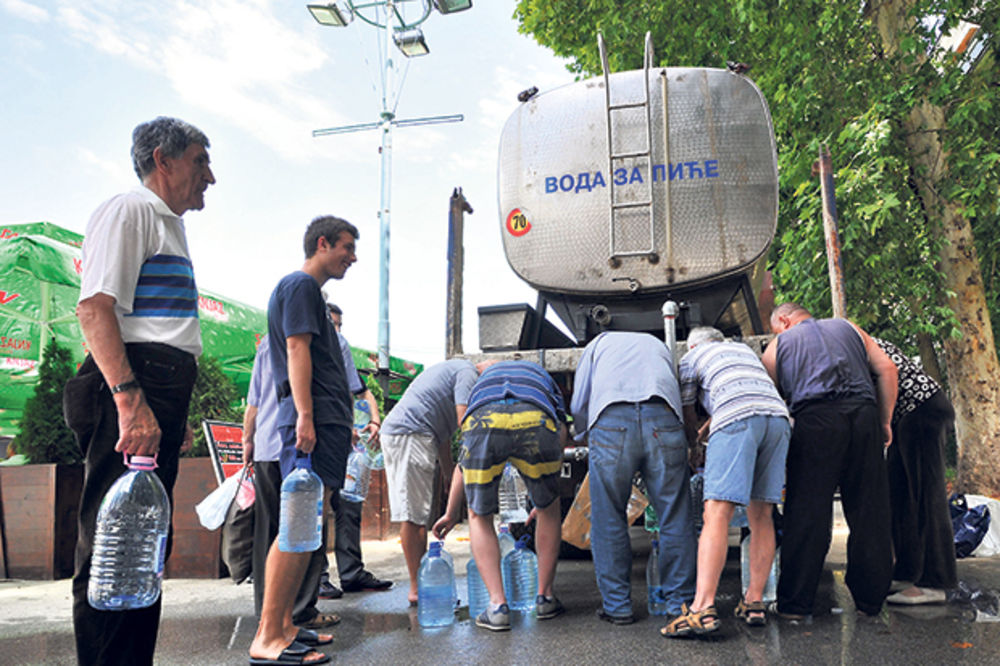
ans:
(388, 16)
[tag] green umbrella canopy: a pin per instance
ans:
(40, 267)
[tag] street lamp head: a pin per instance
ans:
(452, 6)
(411, 42)
(331, 14)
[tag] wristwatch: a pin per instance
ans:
(125, 386)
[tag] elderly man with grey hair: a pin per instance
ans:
(138, 310)
(744, 464)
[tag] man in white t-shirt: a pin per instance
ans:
(138, 311)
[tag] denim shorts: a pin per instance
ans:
(745, 460)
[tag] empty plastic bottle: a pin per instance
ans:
(357, 477)
(362, 414)
(521, 566)
(771, 586)
(126, 566)
(435, 589)
(300, 518)
(650, 521)
(479, 596)
(513, 496)
(656, 602)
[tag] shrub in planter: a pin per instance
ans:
(43, 436)
(215, 396)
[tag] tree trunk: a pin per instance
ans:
(971, 360)
(928, 357)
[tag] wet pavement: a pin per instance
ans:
(212, 622)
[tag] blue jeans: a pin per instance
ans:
(647, 437)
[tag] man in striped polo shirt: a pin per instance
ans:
(138, 311)
(744, 464)
(515, 414)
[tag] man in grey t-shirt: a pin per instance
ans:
(415, 435)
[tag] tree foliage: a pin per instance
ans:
(828, 81)
(44, 436)
(215, 396)
(913, 130)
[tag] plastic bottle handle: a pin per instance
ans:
(144, 465)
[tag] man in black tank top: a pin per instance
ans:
(840, 388)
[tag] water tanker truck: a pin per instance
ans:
(625, 192)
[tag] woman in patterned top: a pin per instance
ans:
(921, 524)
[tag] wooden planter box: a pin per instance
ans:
(38, 507)
(39, 504)
(375, 514)
(196, 551)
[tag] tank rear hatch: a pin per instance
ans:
(603, 195)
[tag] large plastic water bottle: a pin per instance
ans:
(357, 477)
(435, 589)
(521, 566)
(300, 518)
(513, 496)
(771, 586)
(126, 565)
(656, 602)
(506, 541)
(479, 596)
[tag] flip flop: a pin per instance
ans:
(293, 655)
(310, 637)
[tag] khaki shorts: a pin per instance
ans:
(409, 472)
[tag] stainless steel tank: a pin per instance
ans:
(601, 194)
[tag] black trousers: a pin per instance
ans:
(347, 538)
(835, 443)
(167, 377)
(267, 481)
(922, 535)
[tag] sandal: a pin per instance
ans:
(689, 622)
(753, 613)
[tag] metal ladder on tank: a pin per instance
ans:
(618, 158)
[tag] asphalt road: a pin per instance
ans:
(212, 622)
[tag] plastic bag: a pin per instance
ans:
(237, 532)
(969, 524)
(213, 509)
(990, 545)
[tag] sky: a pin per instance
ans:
(258, 77)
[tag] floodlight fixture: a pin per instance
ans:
(452, 6)
(411, 42)
(330, 14)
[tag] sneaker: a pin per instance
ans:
(328, 590)
(495, 620)
(366, 582)
(548, 607)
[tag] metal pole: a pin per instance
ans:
(834, 265)
(456, 264)
(670, 311)
(384, 212)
